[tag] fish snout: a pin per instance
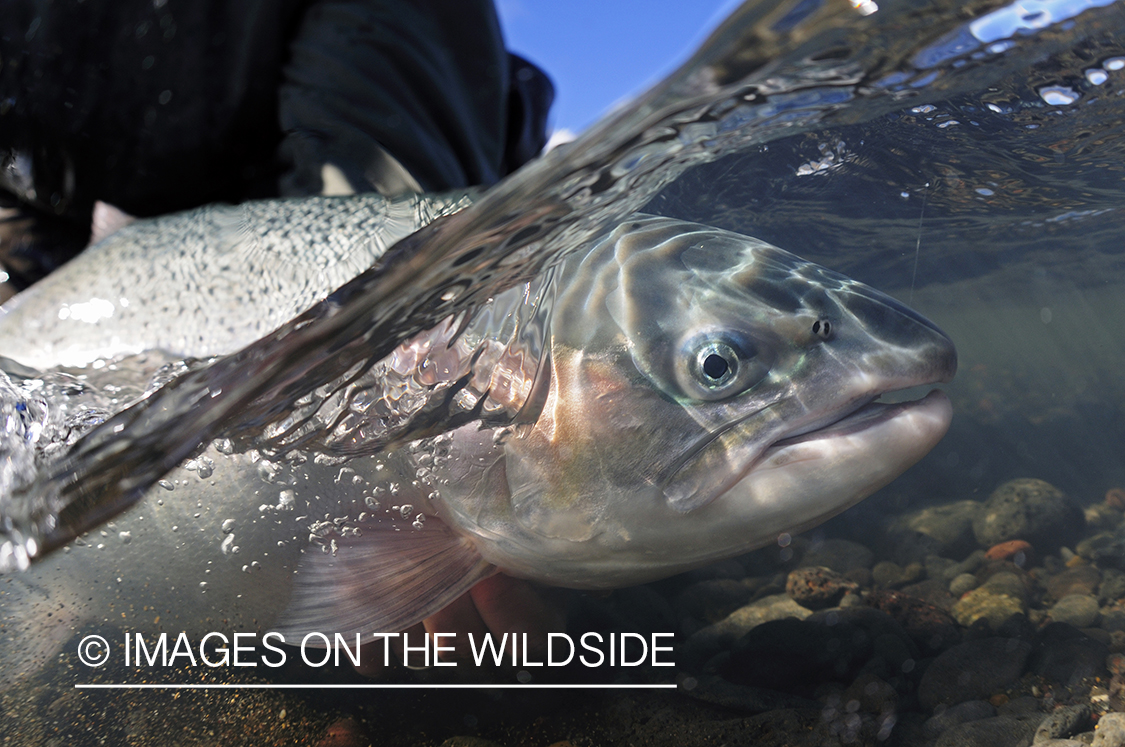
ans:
(911, 349)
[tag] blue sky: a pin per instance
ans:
(599, 53)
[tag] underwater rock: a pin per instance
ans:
(873, 694)
(1079, 610)
(1031, 510)
(710, 688)
(829, 646)
(931, 591)
(705, 643)
(1063, 654)
(970, 564)
(1113, 619)
(972, 670)
(891, 575)
(1018, 706)
(838, 554)
(1063, 723)
(469, 742)
(1005, 580)
(347, 732)
(1115, 498)
(930, 627)
(1081, 579)
(817, 587)
(1111, 731)
(984, 605)
(999, 731)
(962, 583)
(1102, 517)
(945, 530)
(1104, 548)
(791, 727)
(1112, 587)
(1018, 626)
(970, 710)
(936, 566)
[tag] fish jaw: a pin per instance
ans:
(847, 461)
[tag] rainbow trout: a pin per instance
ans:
(668, 396)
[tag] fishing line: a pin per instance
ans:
(918, 243)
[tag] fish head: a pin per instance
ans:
(709, 392)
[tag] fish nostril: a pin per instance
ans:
(823, 329)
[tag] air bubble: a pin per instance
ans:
(206, 467)
(166, 485)
(1058, 95)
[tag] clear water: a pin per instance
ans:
(973, 168)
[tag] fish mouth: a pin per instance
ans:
(693, 485)
(867, 416)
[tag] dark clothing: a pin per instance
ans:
(158, 105)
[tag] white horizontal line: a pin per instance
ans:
(253, 686)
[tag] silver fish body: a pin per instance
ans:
(207, 281)
(672, 395)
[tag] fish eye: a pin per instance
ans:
(720, 365)
(717, 364)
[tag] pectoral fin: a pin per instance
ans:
(382, 581)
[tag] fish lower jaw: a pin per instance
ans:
(930, 415)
